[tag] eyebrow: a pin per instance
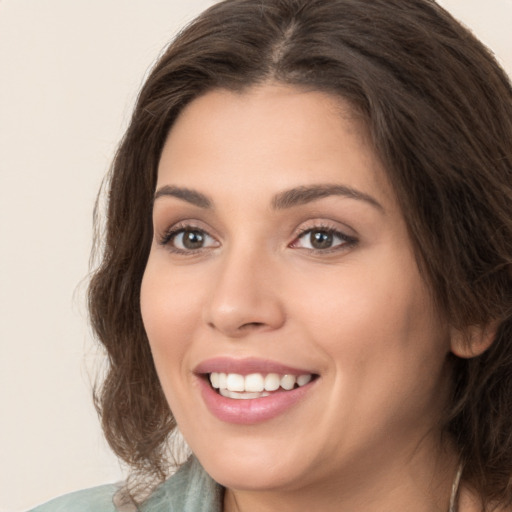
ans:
(307, 194)
(288, 199)
(191, 196)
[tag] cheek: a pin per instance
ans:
(170, 313)
(377, 326)
(382, 302)
(167, 298)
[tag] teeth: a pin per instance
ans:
(288, 382)
(254, 382)
(302, 380)
(241, 396)
(214, 380)
(272, 382)
(235, 382)
(255, 385)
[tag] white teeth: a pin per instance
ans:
(302, 380)
(241, 396)
(235, 382)
(272, 382)
(255, 385)
(214, 379)
(254, 382)
(288, 382)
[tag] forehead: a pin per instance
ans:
(274, 134)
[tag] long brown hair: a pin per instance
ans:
(439, 111)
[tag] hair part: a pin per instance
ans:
(438, 109)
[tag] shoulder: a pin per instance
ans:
(190, 489)
(96, 499)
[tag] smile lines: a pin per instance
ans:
(255, 385)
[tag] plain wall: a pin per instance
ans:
(69, 74)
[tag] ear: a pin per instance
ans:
(473, 340)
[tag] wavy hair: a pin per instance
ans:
(438, 108)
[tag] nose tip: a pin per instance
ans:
(244, 302)
(234, 323)
(238, 320)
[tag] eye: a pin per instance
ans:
(322, 239)
(188, 239)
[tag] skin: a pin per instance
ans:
(358, 314)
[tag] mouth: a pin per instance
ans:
(256, 385)
(251, 390)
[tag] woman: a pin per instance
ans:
(307, 266)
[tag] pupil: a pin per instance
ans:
(321, 240)
(193, 239)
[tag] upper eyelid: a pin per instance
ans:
(335, 231)
(182, 225)
(349, 239)
(175, 230)
(328, 225)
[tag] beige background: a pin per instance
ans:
(69, 73)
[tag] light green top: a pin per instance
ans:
(191, 489)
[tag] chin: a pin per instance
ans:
(252, 462)
(255, 475)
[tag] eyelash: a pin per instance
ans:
(168, 236)
(348, 241)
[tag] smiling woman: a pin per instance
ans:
(305, 282)
(307, 266)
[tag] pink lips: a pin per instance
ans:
(246, 412)
(246, 366)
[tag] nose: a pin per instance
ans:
(245, 295)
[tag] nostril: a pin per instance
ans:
(243, 327)
(250, 325)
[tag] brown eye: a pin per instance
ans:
(323, 239)
(188, 239)
(320, 239)
(192, 239)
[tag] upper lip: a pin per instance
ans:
(247, 366)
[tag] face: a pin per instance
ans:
(281, 270)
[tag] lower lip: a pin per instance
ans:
(254, 410)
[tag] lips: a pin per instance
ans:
(251, 390)
(246, 366)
